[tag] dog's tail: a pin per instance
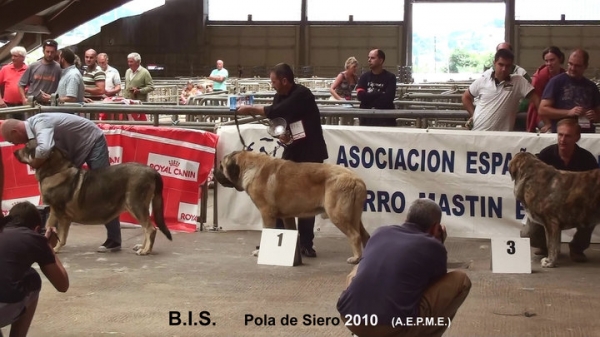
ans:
(158, 207)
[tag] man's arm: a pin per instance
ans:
(24, 82)
(2, 103)
(534, 98)
(361, 90)
(214, 77)
(55, 272)
(219, 78)
(98, 89)
(115, 91)
(253, 110)
(44, 135)
(116, 79)
(546, 110)
(467, 101)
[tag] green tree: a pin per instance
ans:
(461, 59)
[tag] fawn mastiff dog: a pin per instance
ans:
(555, 199)
(285, 189)
(98, 196)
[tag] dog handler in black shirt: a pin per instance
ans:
(376, 89)
(21, 245)
(296, 104)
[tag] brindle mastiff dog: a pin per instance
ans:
(285, 189)
(555, 199)
(98, 196)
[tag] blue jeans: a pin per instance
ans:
(98, 158)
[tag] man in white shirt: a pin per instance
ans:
(112, 85)
(499, 95)
(219, 76)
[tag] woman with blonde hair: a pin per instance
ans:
(343, 85)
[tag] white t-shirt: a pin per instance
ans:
(498, 102)
(113, 78)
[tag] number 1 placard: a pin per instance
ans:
(278, 247)
(511, 255)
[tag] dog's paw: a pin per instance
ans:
(255, 253)
(546, 263)
(353, 260)
(137, 247)
(141, 252)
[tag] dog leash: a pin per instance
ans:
(237, 126)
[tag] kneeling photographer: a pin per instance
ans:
(21, 245)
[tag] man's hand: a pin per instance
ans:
(438, 231)
(246, 110)
(45, 97)
(2, 103)
(545, 128)
(575, 112)
(591, 115)
(51, 236)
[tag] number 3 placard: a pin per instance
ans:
(279, 247)
(511, 255)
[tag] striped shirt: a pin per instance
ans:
(90, 77)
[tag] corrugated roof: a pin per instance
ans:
(28, 23)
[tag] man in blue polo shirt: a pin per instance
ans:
(571, 95)
(403, 277)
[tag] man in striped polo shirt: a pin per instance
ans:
(93, 77)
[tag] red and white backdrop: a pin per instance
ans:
(183, 157)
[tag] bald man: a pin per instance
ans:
(81, 139)
(219, 76)
(94, 78)
(572, 95)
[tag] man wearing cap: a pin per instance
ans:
(41, 76)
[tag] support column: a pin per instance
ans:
(509, 23)
(302, 39)
(407, 30)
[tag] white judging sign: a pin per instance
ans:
(511, 255)
(279, 247)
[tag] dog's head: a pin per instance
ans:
(518, 162)
(26, 154)
(229, 171)
(57, 160)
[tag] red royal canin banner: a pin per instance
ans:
(184, 158)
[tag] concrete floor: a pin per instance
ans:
(122, 294)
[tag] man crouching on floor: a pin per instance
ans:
(21, 245)
(402, 287)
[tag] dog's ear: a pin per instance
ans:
(512, 166)
(233, 171)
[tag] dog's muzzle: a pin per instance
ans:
(222, 179)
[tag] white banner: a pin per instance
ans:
(466, 172)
